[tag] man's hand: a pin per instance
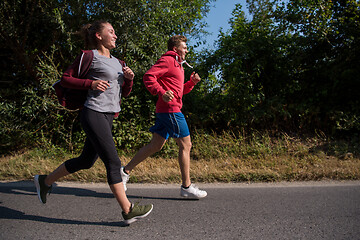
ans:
(100, 85)
(168, 96)
(195, 78)
(128, 73)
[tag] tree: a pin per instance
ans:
(291, 67)
(325, 55)
(38, 42)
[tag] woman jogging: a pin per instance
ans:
(106, 79)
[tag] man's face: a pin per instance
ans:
(181, 50)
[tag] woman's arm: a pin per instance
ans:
(70, 78)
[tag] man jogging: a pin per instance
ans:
(166, 79)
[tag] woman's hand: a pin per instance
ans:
(128, 73)
(100, 85)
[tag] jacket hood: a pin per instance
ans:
(177, 58)
(173, 54)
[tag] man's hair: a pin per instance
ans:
(175, 41)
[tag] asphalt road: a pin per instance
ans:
(310, 210)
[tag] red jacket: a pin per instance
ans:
(167, 74)
(72, 89)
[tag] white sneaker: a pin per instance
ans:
(125, 177)
(192, 192)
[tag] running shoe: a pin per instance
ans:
(192, 192)
(41, 188)
(137, 212)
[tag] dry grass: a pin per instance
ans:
(223, 158)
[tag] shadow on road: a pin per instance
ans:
(8, 213)
(27, 188)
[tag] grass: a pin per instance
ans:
(227, 157)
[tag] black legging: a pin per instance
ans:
(99, 142)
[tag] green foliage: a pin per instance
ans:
(293, 66)
(38, 42)
(130, 131)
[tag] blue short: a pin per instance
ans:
(170, 125)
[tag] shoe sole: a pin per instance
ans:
(190, 195)
(37, 185)
(134, 219)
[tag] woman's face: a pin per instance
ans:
(107, 36)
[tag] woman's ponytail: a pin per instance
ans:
(88, 33)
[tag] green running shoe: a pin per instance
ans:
(137, 212)
(41, 188)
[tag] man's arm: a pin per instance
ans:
(153, 74)
(189, 85)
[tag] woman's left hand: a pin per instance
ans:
(128, 73)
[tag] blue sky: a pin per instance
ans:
(219, 16)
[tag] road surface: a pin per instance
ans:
(300, 210)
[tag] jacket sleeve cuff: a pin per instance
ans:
(88, 83)
(128, 80)
(192, 83)
(161, 92)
